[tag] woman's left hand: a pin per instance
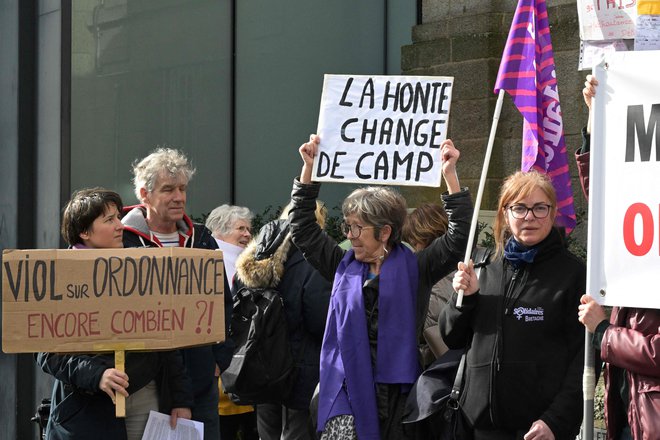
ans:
(539, 431)
(450, 156)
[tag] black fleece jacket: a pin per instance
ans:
(525, 361)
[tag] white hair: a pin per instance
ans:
(162, 160)
(222, 218)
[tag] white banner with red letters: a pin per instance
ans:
(624, 202)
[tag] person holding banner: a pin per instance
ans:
(369, 355)
(160, 183)
(82, 403)
(629, 343)
(524, 361)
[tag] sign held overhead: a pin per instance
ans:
(382, 129)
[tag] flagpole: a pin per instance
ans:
(482, 183)
(588, 388)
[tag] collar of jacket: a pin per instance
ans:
(135, 220)
(266, 272)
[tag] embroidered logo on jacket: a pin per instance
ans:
(528, 314)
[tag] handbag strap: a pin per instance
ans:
(458, 381)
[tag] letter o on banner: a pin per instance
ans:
(632, 212)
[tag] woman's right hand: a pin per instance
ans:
(308, 151)
(466, 279)
(589, 90)
(590, 313)
(114, 381)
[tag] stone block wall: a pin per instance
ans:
(465, 39)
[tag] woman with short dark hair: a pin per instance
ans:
(87, 209)
(82, 404)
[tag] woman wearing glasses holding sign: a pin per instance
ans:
(524, 364)
(381, 289)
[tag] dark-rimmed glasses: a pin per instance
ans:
(354, 229)
(540, 210)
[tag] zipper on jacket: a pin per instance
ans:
(509, 292)
(507, 304)
(502, 311)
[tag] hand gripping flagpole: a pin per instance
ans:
(482, 183)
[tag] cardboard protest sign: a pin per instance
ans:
(111, 299)
(624, 203)
(607, 19)
(382, 129)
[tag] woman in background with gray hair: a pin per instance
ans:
(231, 227)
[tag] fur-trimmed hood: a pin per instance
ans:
(261, 264)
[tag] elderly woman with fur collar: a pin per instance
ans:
(272, 260)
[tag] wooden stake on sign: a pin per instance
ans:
(120, 400)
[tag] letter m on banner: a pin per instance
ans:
(527, 73)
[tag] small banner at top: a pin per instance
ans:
(93, 300)
(607, 19)
(382, 129)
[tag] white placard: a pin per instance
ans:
(624, 202)
(607, 19)
(382, 129)
(647, 34)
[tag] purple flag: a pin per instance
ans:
(527, 73)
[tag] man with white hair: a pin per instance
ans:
(161, 181)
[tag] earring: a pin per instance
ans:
(385, 253)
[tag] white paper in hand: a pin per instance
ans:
(158, 428)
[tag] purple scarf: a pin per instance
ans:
(345, 354)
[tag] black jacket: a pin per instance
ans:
(272, 260)
(200, 361)
(525, 361)
(434, 262)
(79, 409)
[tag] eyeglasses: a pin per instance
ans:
(354, 229)
(244, 229)
(540, 210)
